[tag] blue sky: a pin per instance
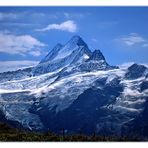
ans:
(28, 33)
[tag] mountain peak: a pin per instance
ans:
(73, 52)
(97, 56)
(136, 71)
(77, 40)
(137, 67)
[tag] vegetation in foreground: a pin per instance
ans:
(10, 134)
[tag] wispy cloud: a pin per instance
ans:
(69, 26)
(94, 40)
(18, 24)
(7, 15)
(107, 24)
(128, 64)
(19, 44)
(145, 45)
(35, 53)
(15, 65)
(75, 15)
(133, 39)
(27, 14)
(43, 15)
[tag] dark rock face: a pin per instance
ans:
(144, 85)
(97, 56)
(138, 127)
(10, 122)
(86, 112)
(135, 71)
(78, 41)
(52, 54)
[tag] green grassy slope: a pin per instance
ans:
(8, 133)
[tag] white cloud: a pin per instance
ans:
(133, 39)
(19, 44)
(15, 65)
(69, 26)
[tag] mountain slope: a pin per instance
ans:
(75, 89)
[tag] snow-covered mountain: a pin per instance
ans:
(74, 51)
(75, 89)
